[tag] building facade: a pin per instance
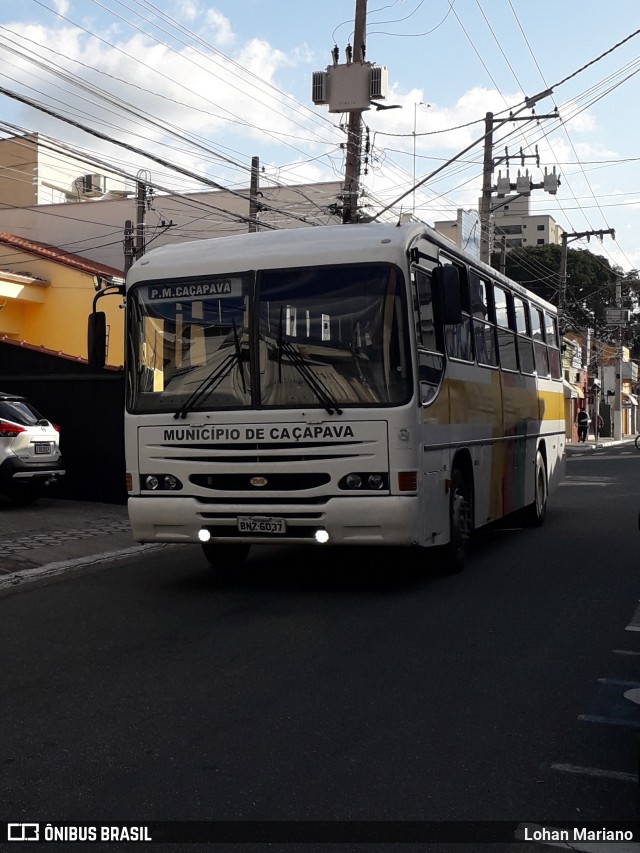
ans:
(46, 296)
(514, 225)
(34, 170)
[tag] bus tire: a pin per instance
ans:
(534, 514)
(460, 512)
(226, 556)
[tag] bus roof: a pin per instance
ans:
(287, 247)
(294, 247)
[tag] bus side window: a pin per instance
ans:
(553, 345)
(539, 348)
(483, 320)
(506, 334)
(425, 327)
(458, 337)
(523, 327)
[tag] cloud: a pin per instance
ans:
(219, 27)
(440, 127)
(192, 89)
(61, 6)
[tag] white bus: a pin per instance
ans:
(340, 385)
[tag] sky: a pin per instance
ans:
(208, 85)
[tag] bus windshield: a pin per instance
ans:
(315, 337)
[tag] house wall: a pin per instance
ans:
(58, 321)
(95, 229)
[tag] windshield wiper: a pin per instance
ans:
(306, 372)
(236, 341)
(211, 382)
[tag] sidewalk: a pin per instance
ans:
(52, 536)
(602, 442)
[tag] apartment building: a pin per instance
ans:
(35, 170)
(514, 226)
(514, 222)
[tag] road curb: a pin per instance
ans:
(24, 578)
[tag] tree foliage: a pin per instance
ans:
(590, 288)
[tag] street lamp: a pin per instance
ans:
(415, 119)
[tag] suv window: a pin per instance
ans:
(19, 412)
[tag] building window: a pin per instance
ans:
(540, 227)
(540, 242)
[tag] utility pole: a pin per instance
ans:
(350, 88)
(141, 201)
(564, 252)
(503, 254)
(617, 398)
(487, 190)
(354, 132)
(253, 194)
(522, 186)
(128, 245)
(134, 237)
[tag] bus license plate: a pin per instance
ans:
(261, 524)
(42, 447)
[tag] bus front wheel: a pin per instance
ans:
(226, 556)
(535, 512)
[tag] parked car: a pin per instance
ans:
(30, 458)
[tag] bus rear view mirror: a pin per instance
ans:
(446, 295)
(97, 339)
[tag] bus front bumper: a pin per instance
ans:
(377, 520)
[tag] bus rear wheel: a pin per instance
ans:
(226, 556)
(534, 514)
(460, 510)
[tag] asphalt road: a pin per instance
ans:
(339, 685)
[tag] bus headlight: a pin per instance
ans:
(366, 481)
(161, 482)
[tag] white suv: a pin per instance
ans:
(29, 450)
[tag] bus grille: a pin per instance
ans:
(272, 482)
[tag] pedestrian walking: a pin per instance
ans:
(582, 421)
